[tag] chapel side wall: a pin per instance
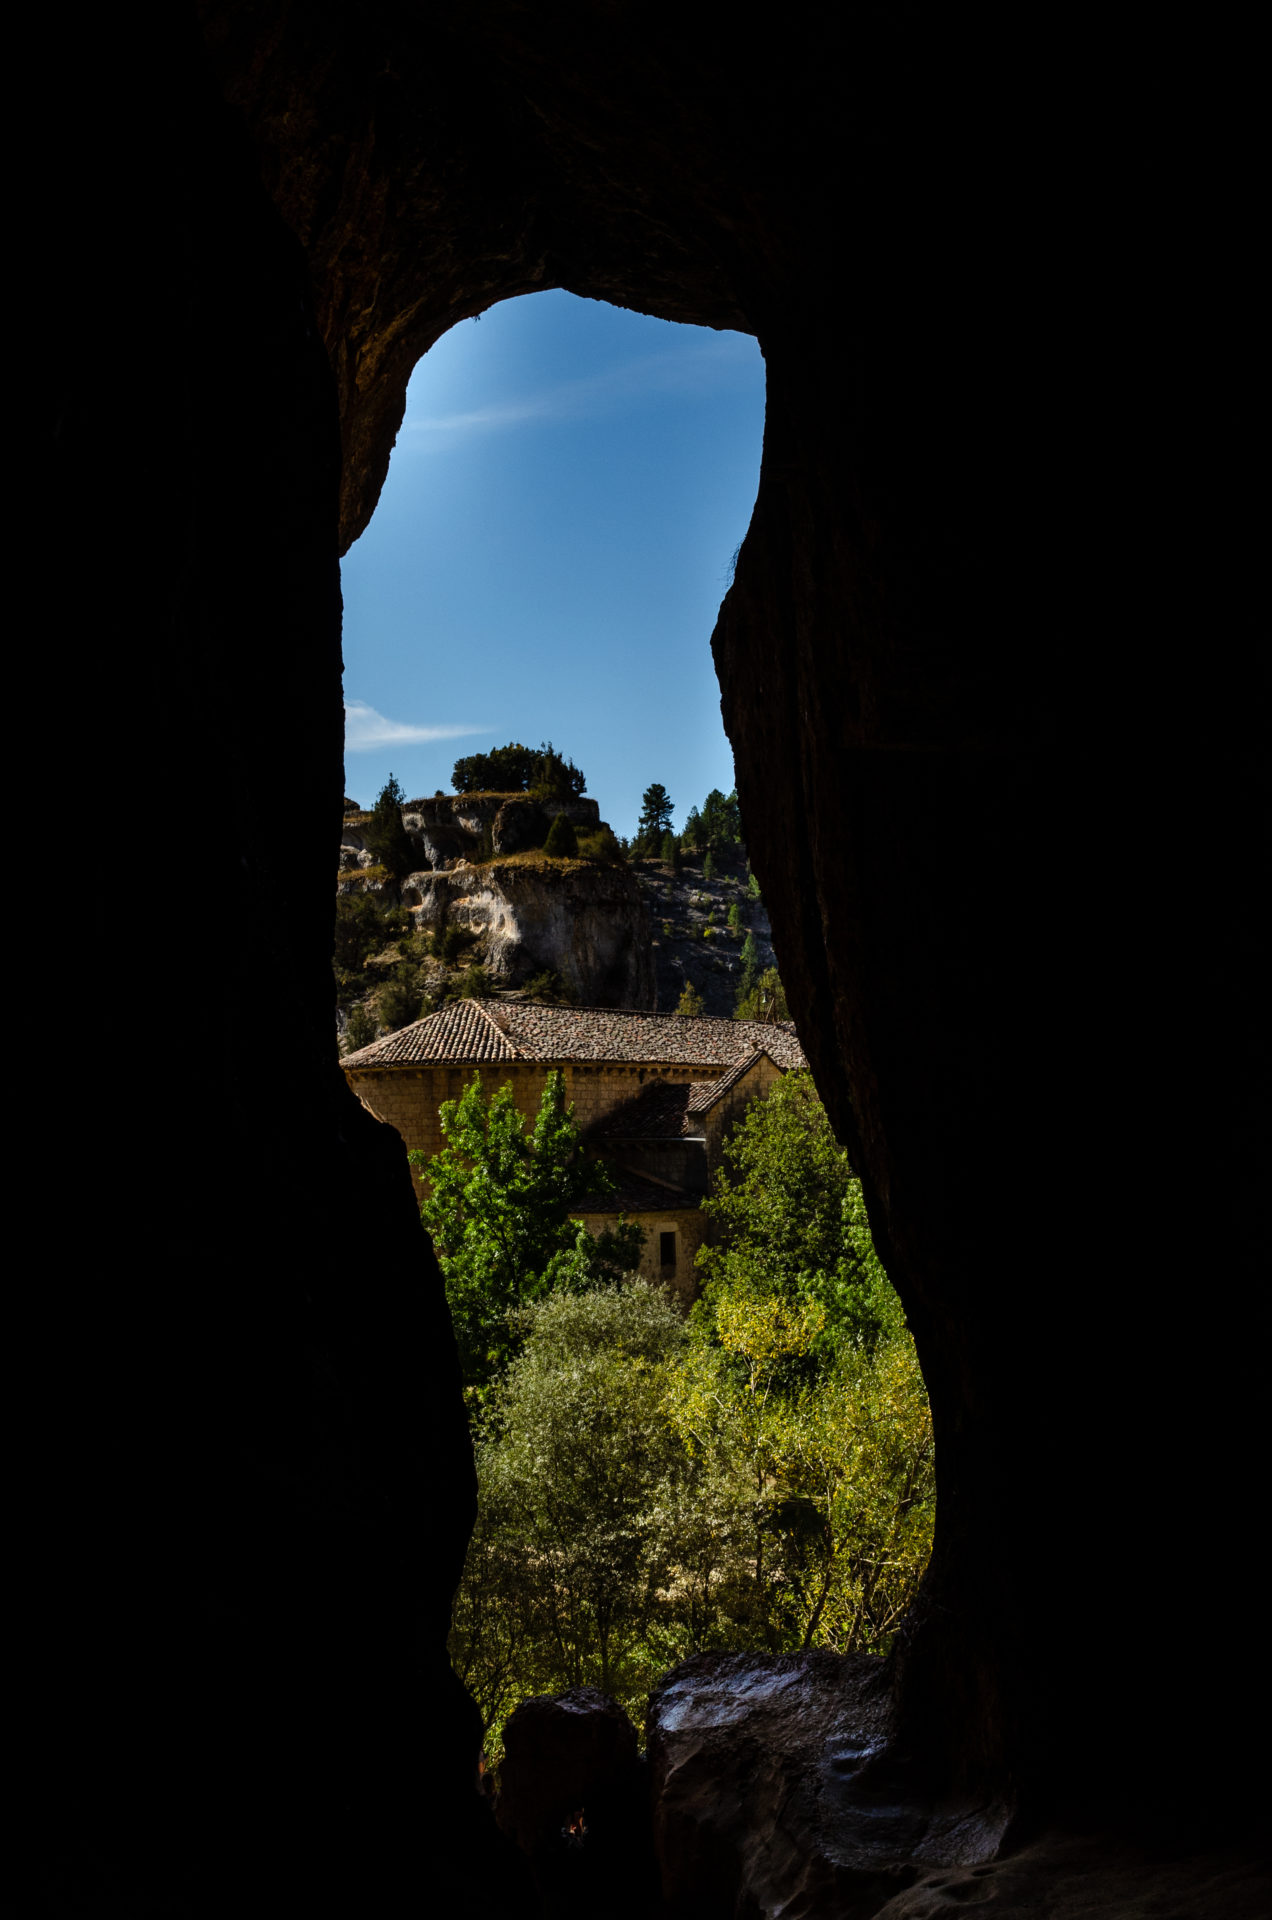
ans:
(690, 1228)
(409, 1098)
(721, 1119)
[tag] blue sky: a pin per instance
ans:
(550, 551)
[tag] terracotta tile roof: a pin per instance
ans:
(461, 1032)
(475, 1030)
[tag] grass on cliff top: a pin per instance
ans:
(538, 861)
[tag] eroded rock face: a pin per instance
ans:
(587, 923)
(453, 826)
(776, 1788)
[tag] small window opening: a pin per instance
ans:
(667, 1249)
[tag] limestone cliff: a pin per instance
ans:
(583, 921)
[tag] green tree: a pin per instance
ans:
(752, 887)
(750, 974)
(759, 1476)
(690, 1001)
(568, 1578)
(788, 1207)
(801, 1382)
(721, 821)
(519, 769)
(656, 806)
(400, 1000)
(360, 1028)
(708, 866)
(387, 839)
(554, 777)
(669, 853)
(498, 1206)
(735, 917)
(766, 999)
(562, 841)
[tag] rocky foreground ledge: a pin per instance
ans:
(770, 1789)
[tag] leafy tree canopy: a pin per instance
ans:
(761, 1475)
(517, 769)
(790, 1221)
(499, 1206)
(763, 999)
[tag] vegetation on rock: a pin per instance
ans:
(562, 841)
(516, 769)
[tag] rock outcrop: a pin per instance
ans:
(585, 922)
(774, 1789)
(574, 1797)
(455, 826)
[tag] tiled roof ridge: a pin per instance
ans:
(718, 1088)
(531, 1031)
(484, 1007)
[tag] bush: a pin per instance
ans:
(473, 984)
(399, 1001)
(562, 842)
(551, 988)
(601, 845)
(447, 943)
(360, 1028)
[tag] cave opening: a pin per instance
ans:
(1006, 493)
(562, 515)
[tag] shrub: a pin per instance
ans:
(550, 987)
(360, 1028)
(399, 1001)
(562, 842)
(473, 984)
(446, 943)
(601, 845)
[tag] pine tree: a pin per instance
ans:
(387, 839)
(656, 807)
(691, 1001)
(562, 842)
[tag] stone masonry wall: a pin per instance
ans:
(408, 1098)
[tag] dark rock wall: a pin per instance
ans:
(987, 683)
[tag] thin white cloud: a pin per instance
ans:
(686, 369)
(366, 730)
